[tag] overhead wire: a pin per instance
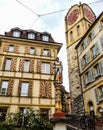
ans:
(45, 14)
(96, 2)
(27, 8)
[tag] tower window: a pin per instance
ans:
(71, 35)
(78, 30)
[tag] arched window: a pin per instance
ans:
(71, 35)
(78, 30)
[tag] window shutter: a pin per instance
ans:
(39, 63)
(92, 75)
(31, 65)
(96, 94)
(13, 64)
(101, 40)
(87, 58)
(21, 65)
(97, 49)
(10, 87)
(30, 88)
(84, 81)
(81, 63)
(101, 67)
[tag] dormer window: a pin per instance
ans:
(31, 36)
(16, 33)
(45, 37)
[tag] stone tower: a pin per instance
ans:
(77, 21)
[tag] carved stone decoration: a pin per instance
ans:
(39, 66)
(32, 65)
(30, 88)
(13, 64)
(27, 49)
(52, 69)
(21, 64)
(10, 87)
(16, 48)
(6, 47)
(45, 89)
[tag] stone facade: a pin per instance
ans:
(26, 71)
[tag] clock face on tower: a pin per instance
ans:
(73, 16)
(89, 15)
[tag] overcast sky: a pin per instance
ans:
(28, 14)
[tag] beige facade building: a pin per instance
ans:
(90, 56)
(26, 71)
(77, 21)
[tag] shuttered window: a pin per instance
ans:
(101, 41)
(95, 50)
